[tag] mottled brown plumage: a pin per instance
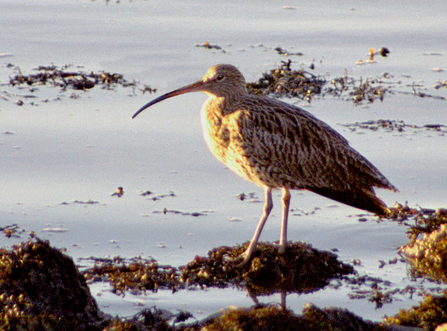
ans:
(279, 146)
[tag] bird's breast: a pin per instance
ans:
(215, 130)
(226, 140)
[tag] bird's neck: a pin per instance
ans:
(214, 115)
(213, 110)
(219, 106)
(214, 126)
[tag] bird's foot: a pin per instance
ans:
(281, 247)
(240, 260)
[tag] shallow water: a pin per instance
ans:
(84, 148)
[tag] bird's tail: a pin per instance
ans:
(363, 199)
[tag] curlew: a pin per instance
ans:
(279, 146)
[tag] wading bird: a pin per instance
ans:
(279, 146)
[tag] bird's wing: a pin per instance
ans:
(292, 148)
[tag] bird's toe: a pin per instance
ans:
(240, 260)
(281, 247)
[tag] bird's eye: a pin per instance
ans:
(219, 77)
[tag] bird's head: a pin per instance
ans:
(222, 80)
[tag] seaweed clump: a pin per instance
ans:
(286, 82)
(77, 80)
(300, 269)
(430, 313)
(41, 289)
(393, 125)
(367, 91)
(273, 318)
(425, 220)
(428, 256)
(147, 320)
(138, 275)
(364, 91)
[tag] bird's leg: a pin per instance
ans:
(285, 216)
(268, 205)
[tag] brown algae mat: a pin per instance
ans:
(300, 269)
(41, 289)
(280, 82)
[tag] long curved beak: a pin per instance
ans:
(195, 87)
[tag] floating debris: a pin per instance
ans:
(286, 53)
(55, 230)
(288, 7)
(393, 125)
(425, 95)
(173, 211)
(118, 193)
(208, 46)
(10, 230)
(160, 196)
(251, 196)
(373, 289)
(384, 51)
(441, 84)
(433, 54)
(147, 88)
(88, 202)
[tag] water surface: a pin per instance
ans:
(83, 148)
